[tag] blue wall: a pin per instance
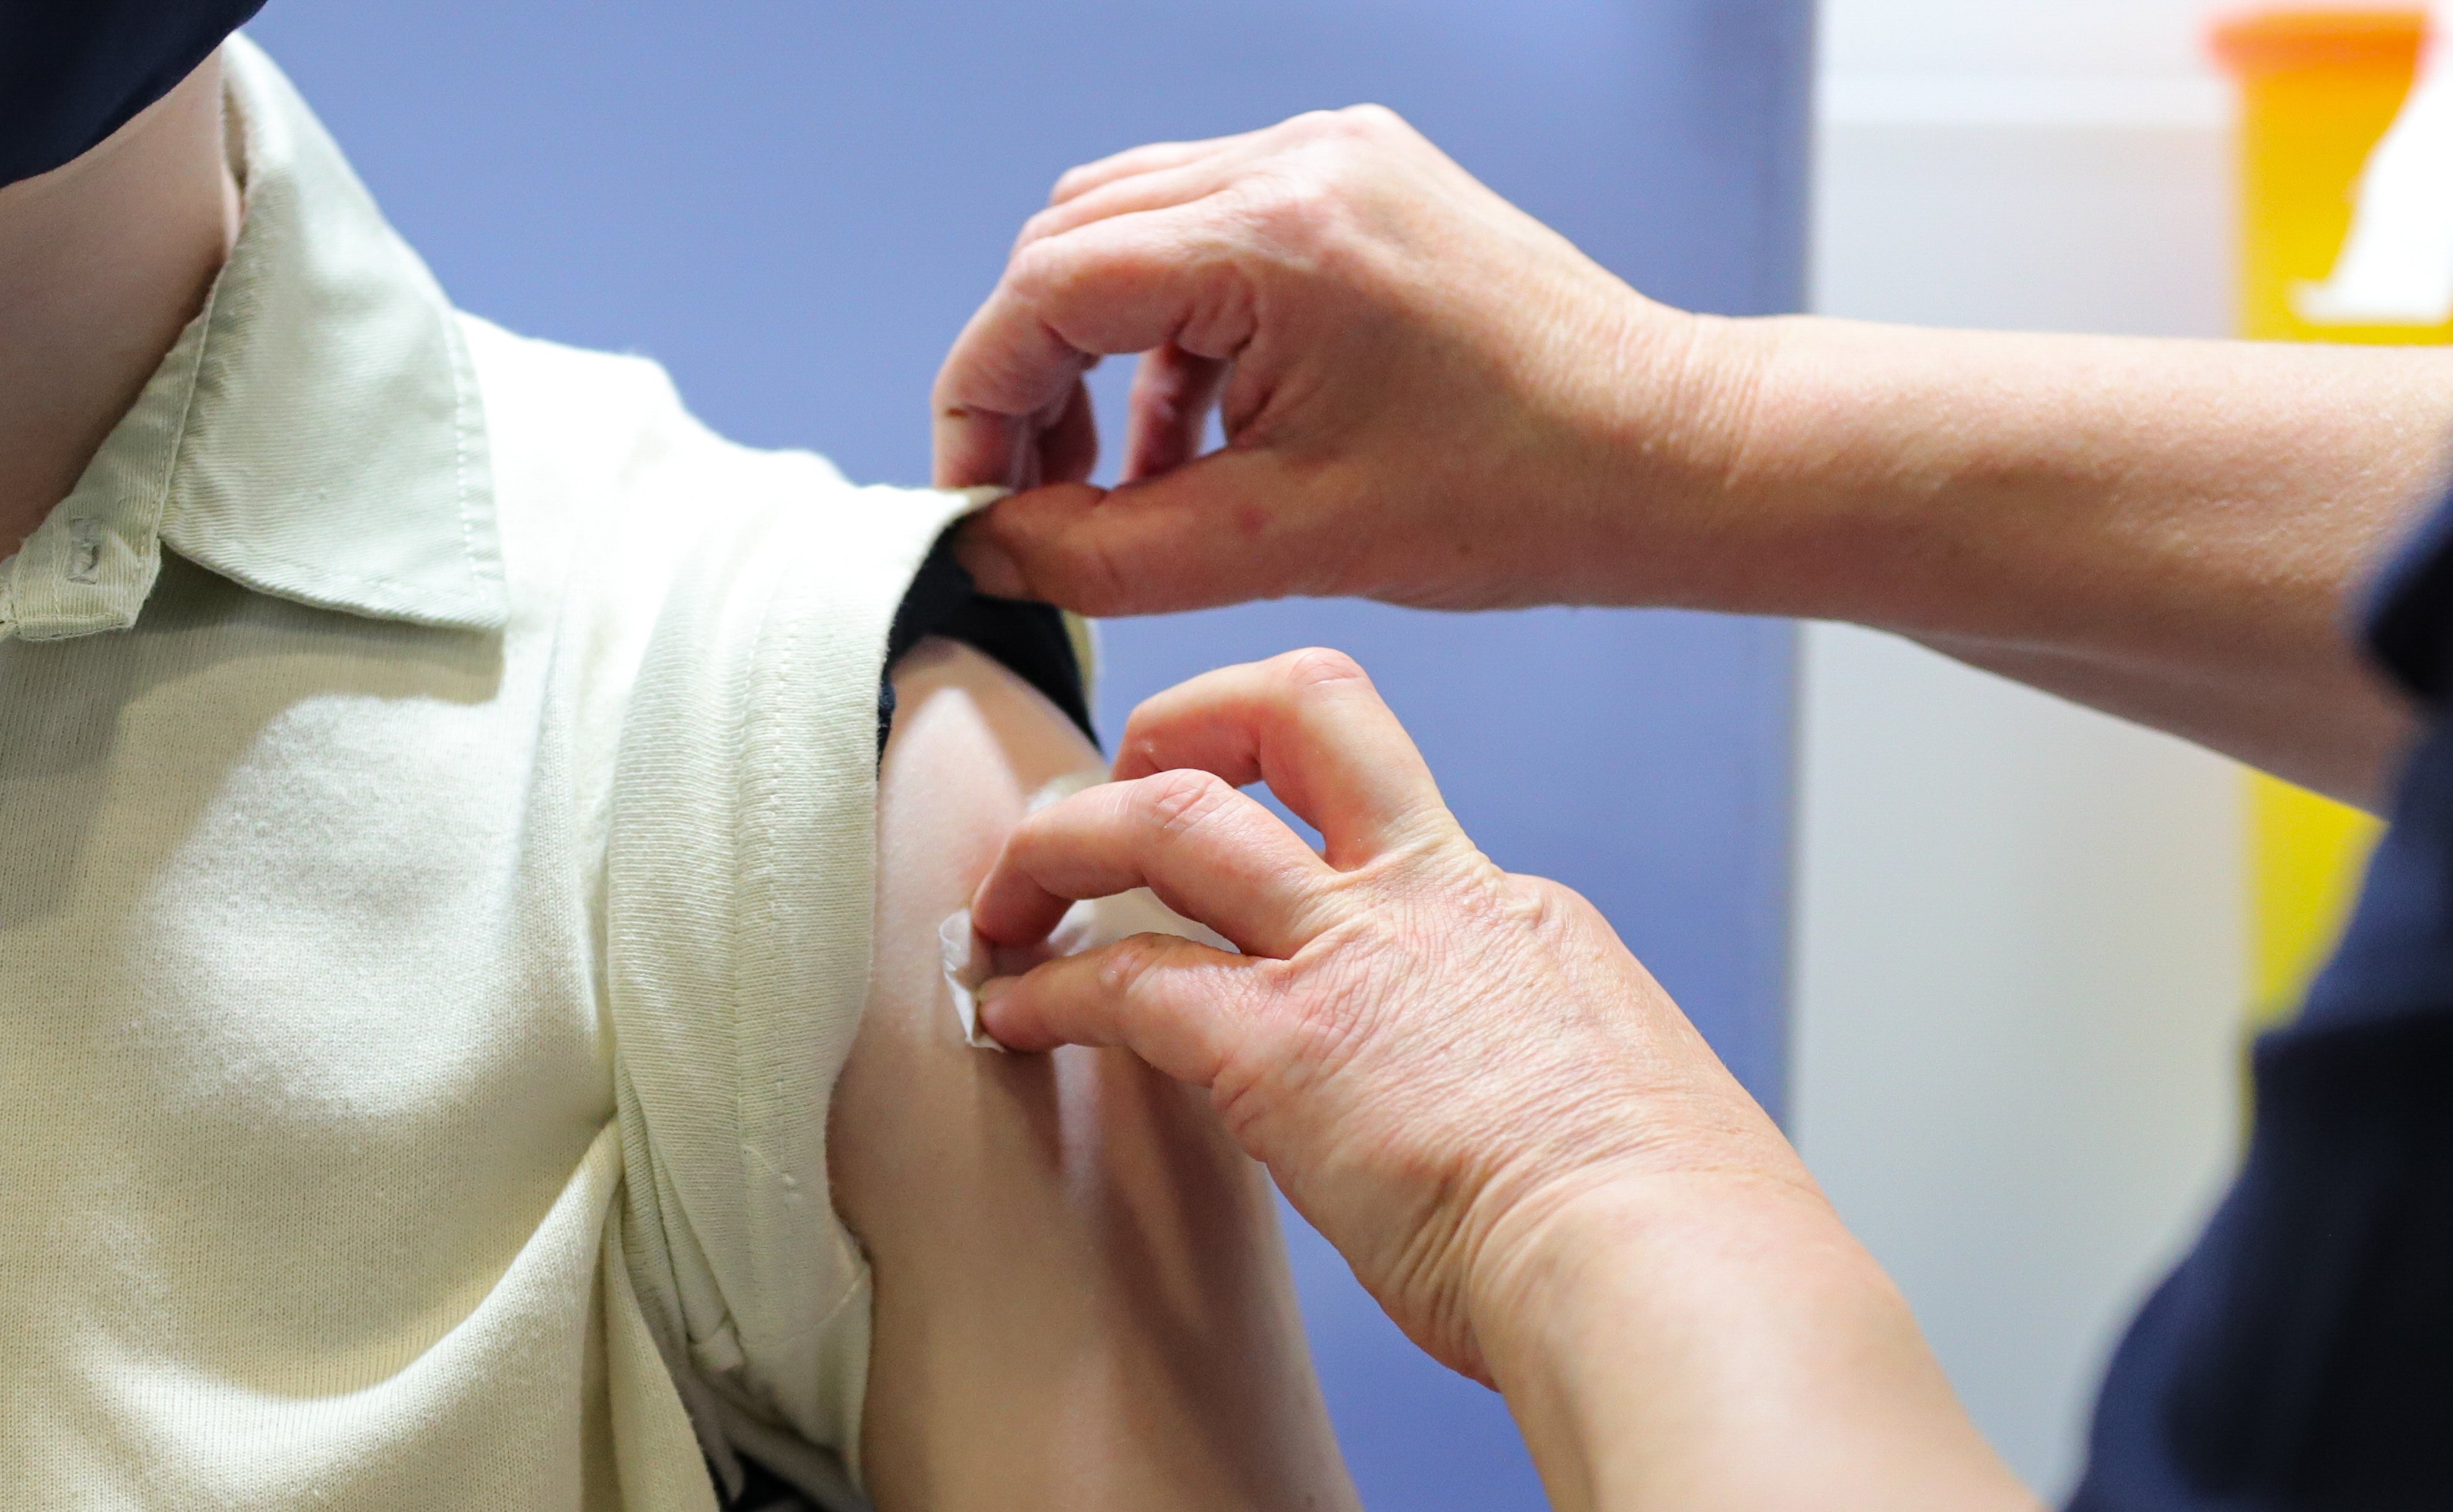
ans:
(795, 205)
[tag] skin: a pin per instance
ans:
(103, 262)
(1461, 1077)
(1081, 1297)
(1431, 399)
(1465, 1082)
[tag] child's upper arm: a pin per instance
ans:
(1080, 1296)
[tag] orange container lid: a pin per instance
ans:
(2260, 42)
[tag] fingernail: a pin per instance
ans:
(984, 1009)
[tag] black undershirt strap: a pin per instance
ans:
(1028, 639)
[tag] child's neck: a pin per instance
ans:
(102, 263)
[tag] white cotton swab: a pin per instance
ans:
(970, 961)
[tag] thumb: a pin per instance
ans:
(1234, 526)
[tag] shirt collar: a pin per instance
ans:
(316, 433)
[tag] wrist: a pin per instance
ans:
(1692, 431)
(1559, 1260)
(1720, 1339)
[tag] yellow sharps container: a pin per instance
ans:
(2317, 90)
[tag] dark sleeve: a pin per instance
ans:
(2301, 1356)
(1028, 639)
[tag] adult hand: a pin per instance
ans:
(1429, 397)
(1464, 1081)
(1430, 1054)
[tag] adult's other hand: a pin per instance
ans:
(1430, 399)
(1427, 396)
(1425, 1049)
(1467, 1084)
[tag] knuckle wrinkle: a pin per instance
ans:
(1129, 963)
(1296, 208)
(1032, 271)
(1036, 230)
(1181, 800)
(1319, 666)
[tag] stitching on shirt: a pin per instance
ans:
(210, 316)
(851, 1292)
(395, 595)
(784, 626)
(464, 415)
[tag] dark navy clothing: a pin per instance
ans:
(2303, 1355)
(73, 71)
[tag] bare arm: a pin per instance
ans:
(1431, 399)
(2173, 531)
(1082, 1299)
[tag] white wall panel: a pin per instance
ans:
(2081, 225)
(2018, 971)
(2070, 38)
(2020, 953)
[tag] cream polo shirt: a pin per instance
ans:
(437, 791)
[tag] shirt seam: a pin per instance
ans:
(399, 593)
(179, 436)
(463, 403)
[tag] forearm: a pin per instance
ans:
(1719, 1346)
(1430, 399)
(2176, 531)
